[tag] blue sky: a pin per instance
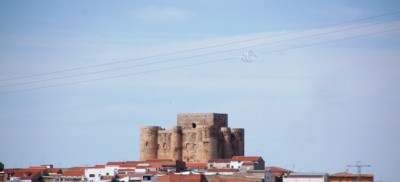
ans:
(312, 108)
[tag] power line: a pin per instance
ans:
(195, 64)
(119, 76)
(200, 55)
(195, 49)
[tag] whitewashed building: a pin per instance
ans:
(94, 174)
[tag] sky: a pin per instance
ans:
(319, 91)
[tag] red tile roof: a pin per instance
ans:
(246, 158)
(37, 167)
(77, 167)
(347, 174)
(8, 171)
(115, 163)
(27, 173)
(74, 172)
(196, 165)
(277, 171)
(99, 166)
(134, 162)
(54, 170)
(156, 164)
(249, 163)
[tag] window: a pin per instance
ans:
(92, 175)
(193, 125)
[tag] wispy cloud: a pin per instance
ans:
(152, 13)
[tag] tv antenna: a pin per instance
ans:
(358, 166)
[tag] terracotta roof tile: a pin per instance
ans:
(248, 163)
(116, 163)
(77, 167)
(99, 166)
(74, 172)
(347, 174)
(27, 173)
(246, 158)
(54, 170)
(277, 171)
(196, 164)
(134, 162)
(37, 167)
(156, 164)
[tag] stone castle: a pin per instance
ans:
(196, 138)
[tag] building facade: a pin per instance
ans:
(198, 137)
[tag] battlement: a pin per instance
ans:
(192, 120)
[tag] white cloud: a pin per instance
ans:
(152, 13)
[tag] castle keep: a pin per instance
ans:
(196, 138)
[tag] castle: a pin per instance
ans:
(198, 137)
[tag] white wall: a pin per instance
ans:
(98, 172)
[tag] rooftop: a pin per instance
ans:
(246, 158)
(347, 174)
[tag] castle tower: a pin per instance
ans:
(176, 143)
(226, 149)
(209, 144)
(149, 142)
(238, 141)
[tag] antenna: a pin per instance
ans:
(358, 166)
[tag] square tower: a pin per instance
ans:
(193, 120)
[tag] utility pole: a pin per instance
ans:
(358, 166)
